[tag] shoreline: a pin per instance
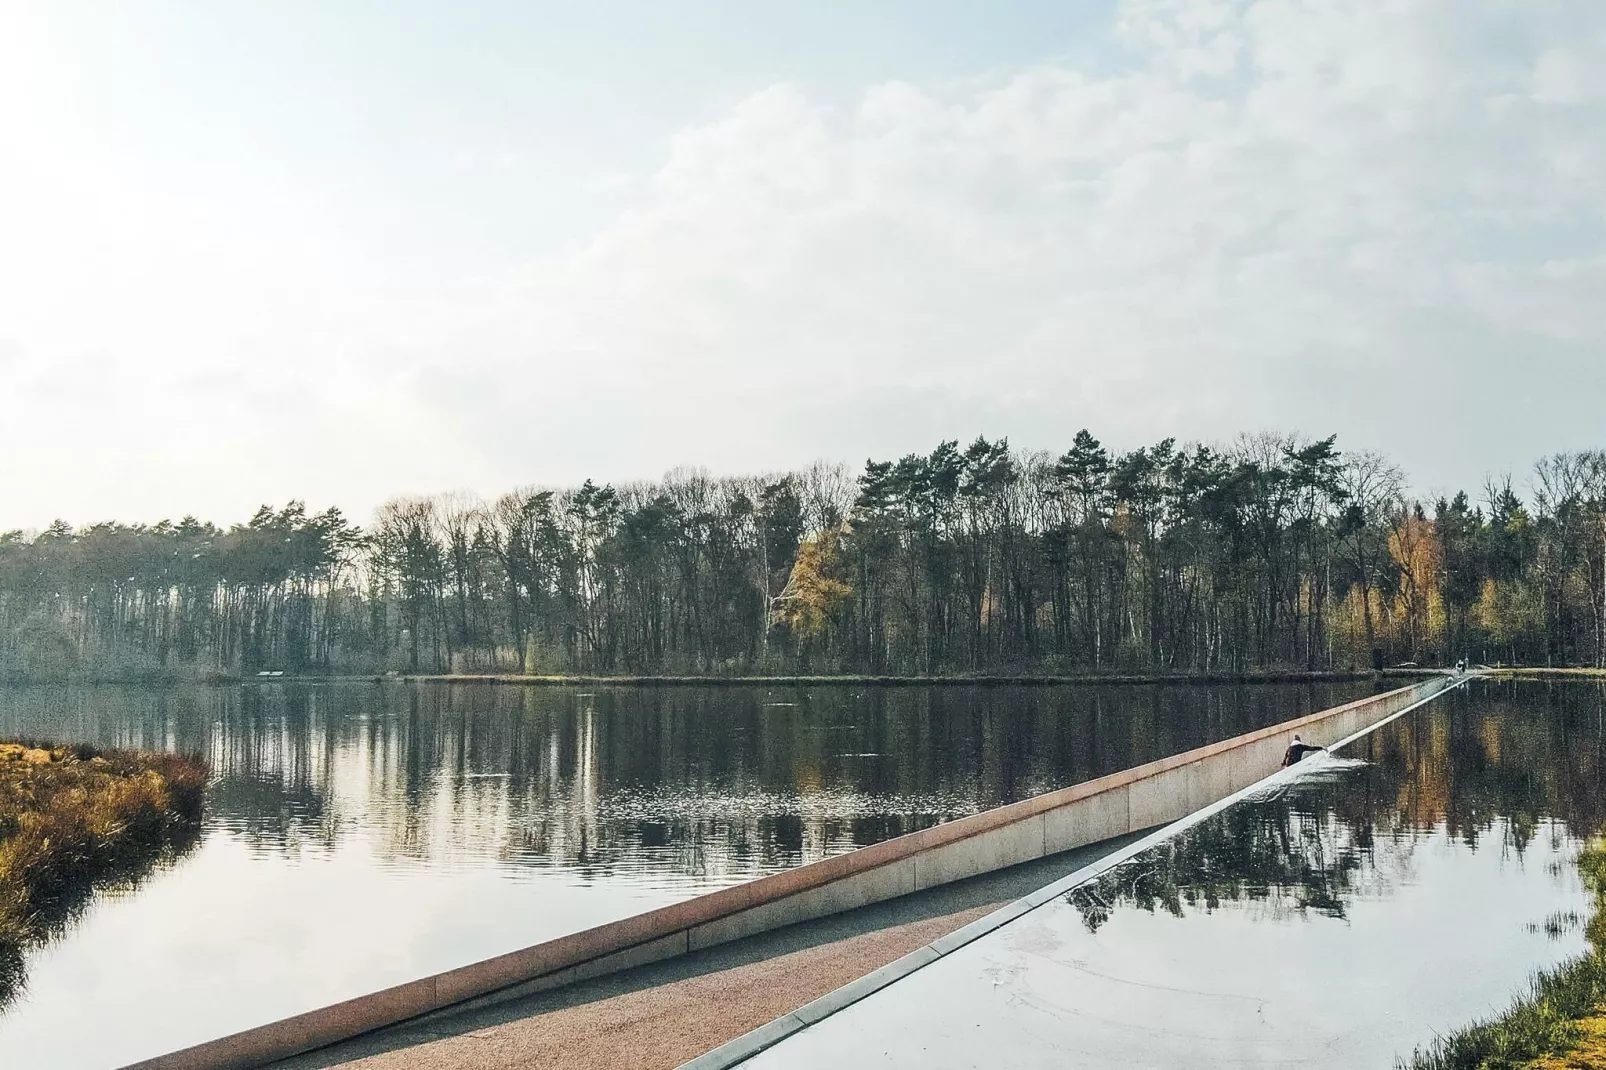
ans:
(1539, 672)
(74, 819)
(511, 679)
(852, 680)
(1558, 1024)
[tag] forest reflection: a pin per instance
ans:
(713, 784)
(1489, 768)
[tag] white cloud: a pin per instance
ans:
(1272, 191)
(1281, 213)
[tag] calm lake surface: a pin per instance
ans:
(362, 835)
(1341, 917)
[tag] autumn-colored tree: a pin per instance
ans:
(814, 592)
(1414, 548)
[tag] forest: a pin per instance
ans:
(1275, 552)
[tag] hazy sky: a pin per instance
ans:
(341, 251)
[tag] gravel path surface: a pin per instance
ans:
(656, 1017)
(655, 1028)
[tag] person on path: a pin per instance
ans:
(1297, 750)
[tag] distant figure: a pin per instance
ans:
(1297, 750)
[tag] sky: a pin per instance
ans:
(343, 252)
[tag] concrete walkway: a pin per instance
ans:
(659, 1016)
(1318, 921)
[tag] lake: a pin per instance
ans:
(361, 835)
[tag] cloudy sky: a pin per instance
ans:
(250, 252)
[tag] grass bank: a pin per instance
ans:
(1559, 1025)
(1542, 673)
(74, 818)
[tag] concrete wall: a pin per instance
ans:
(1087, 813)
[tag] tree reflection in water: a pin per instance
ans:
(701, 784)
(1293, 861)
(1510, 758)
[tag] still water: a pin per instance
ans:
(1342, 918)
(362, 835)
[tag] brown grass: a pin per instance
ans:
(72, 818)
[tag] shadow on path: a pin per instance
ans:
(960, 901)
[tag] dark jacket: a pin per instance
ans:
(1297, 751)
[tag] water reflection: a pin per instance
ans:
(61, 912)
(713, 783)
(1506, 762)
(1341, 923)
(359, 836)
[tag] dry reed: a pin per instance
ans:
(75, 817)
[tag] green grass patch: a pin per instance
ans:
(76, 818)
(1555, 1016)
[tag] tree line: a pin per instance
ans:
(1276, 552)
